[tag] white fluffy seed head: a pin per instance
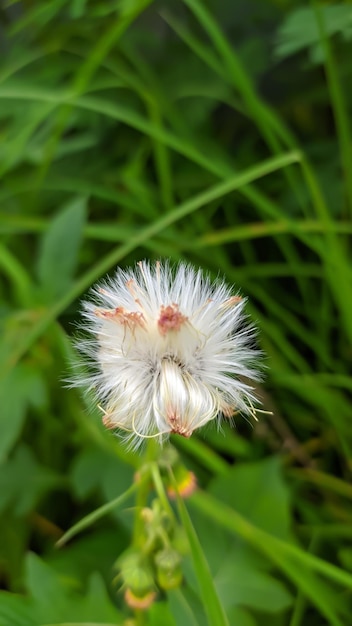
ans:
(168, 351)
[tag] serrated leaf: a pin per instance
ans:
(55, 601)
(16, 610)
(240, 581)
(59, 248)
(242, 577)
(293, 561)
(256, 490)
(300, 29)
(45, 590)
(51, 600)
(91, 552)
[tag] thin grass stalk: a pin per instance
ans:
(338, 101)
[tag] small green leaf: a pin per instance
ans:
(59, 248)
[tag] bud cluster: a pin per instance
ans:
(155, 563)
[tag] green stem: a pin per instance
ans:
(159, 488)
(143, 491)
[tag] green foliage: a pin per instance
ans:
(51, 600)
(57, 258)
(300, 29)
(198, 130)
(23, 481)
(252, 499)
(21, 389)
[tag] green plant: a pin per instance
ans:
(217, 133)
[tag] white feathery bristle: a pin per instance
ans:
(168, 351)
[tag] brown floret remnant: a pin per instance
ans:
(106, 419)
(131, 319)
(177, 428)
(170, 319)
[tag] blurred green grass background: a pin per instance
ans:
(218, 133)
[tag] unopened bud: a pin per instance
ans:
(136, 574)
(186, 484)
(168, 568)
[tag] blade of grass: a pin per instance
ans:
(136, 121)
(18, 276)
(322, 378)
(214, 610)
(204, 454)
(301, 600)
(228, 71)
(335, 260)
(266, 120)
(338, 101)
(86, 71)
(278, 314)
(76, 185)
(161, 158)
(270, 126)
(279, 270)
(268, 229)
(148, 232)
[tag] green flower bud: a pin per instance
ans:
(168, 568)
(136, 573)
